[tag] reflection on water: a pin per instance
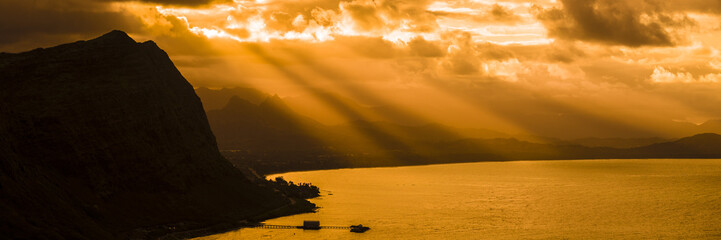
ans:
(599, 199)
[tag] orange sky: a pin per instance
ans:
(481, 63)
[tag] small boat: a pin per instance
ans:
(358, 228)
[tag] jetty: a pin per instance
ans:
(312, 225)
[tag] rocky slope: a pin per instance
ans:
(103, 137)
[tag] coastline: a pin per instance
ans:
(186, 230)
(294, 208)
(465, 162)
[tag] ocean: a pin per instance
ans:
(576, 199)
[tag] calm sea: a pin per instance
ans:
(584, 199)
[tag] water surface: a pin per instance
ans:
(583, 199)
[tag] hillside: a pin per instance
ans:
(105, 139)
(707, 145)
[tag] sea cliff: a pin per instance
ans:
(105, 139)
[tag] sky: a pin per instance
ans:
(567, 68)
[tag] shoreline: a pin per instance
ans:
(293, 208)
(484, 161)
(171, 232)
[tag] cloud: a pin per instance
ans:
(481, 14)
(631, 23)
(386, 15)
(420, 47)
(705, 6)
(25, 24)
(174, 35)
(462, 57)
(373, 47)
(174, 2)
(364, 14)
(489, 51)
(501, 14)
(661, 75)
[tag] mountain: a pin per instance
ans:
(612, 142)
(270, 136)
(105, 139)
(706, 145)
(268, 125)
(431, 132)
(214, 99)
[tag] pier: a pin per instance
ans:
(312, 225)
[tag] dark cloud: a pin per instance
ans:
(282, 15)
(376, 15)
(629, 23)
(25, 24)
(420, 47)
(489, 51)
(501, 14)
(180, 41)
(365, 16)
(462, 64)
(413, 11)
(462, 58)
(174, 2)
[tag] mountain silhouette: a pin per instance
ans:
(214, 99)
(269, 125)
(105, 139)
(272, 137)
(706, 145)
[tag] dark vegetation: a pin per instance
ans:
(105, 139)
(295, 190)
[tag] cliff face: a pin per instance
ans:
(101, 137)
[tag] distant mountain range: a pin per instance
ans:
(269, 125)
(272, 137)
(217, 99)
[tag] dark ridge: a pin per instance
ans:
(237, 103)
(701, 138)
(114, 37)
(217, 99)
